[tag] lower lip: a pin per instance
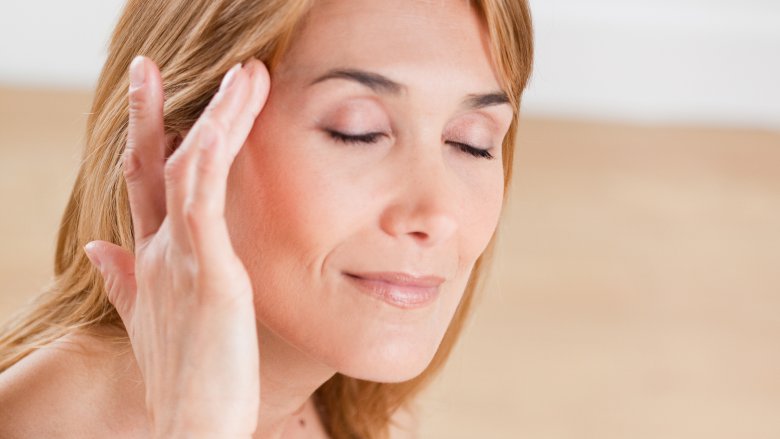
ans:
(402, 296)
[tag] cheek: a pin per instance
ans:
(481, 217)
(286, 193)
(493, 200)
(285, 214)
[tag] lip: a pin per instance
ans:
(402, 290)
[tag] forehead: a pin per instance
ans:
(414, 42)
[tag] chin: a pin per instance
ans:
(382, 344)
(390, 362)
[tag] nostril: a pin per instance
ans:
(421, 235)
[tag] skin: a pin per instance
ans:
(286, 209)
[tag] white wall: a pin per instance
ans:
(713, 61)
(60, 43)
(701, 61)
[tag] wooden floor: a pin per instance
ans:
(636, 293)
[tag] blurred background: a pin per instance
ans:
(636, 288)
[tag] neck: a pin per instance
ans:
(288, 379)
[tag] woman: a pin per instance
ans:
(292, 256)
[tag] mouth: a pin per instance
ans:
(401, 290)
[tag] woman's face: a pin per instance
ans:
(305, 208)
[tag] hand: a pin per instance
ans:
(185, 297)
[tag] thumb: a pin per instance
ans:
(117, 266)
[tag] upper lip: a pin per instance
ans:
(402, 279)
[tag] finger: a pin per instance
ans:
(205, 208)
(260, 86)
(144, 153)
(180, 168)
(117, 267)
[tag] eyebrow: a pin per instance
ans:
(383, 85)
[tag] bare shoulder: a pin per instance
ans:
(60, 390)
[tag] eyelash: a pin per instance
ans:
(372, 138)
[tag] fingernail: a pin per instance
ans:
(137, 72)
(229, 77)
(89, 250)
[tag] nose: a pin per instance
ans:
(427, 204)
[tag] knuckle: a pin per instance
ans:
(190, 270)
(206, 168)
(192, 214)
(196, 215)
(223, 124)
(211, 120)
(211, 117)
(211, 110)
(173, 170)
(138, 101)
(131, 164)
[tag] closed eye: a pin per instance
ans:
(356, 138)
(373, 137)
(476, 152)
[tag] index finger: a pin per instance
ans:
(144, 155)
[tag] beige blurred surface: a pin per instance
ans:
(636, 290)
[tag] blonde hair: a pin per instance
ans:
(194, 42)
